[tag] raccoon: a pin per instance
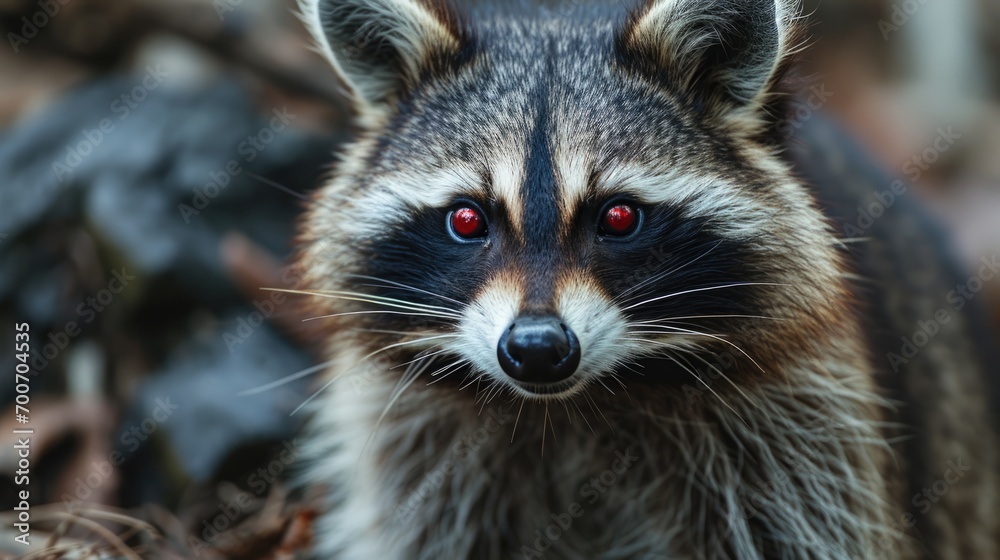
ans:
(583, 301)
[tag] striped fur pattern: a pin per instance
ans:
(723, 382)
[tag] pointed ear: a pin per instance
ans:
(727, 52)
(380, 48)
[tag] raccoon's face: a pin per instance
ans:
(550, 202)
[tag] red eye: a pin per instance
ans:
(467, 223)
(619, 220)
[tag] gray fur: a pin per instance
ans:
(783, 452)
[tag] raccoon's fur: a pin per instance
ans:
(731, 398)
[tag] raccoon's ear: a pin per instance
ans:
(721, 51)
(381, 47)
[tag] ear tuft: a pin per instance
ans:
(380, 48)
(727, 52)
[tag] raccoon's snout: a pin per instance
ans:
(539, 350)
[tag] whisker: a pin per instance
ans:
(700, 358)
(693, 317)
(315, 394)
(441, 370)
(514, 431)
(618, 379)
(404, 384)
(569, 416)
(389, 299)
(687, 368)
(660, 332)
(471, 382)
(715, 337)
(693, 373)
(404, 343)
(685, 292)
(371, 312)
(491, 392)
(601, 381)
(545, 421)
(376, 300)
(452, 368)
(402, 333)
(287, 379)
(421, 356)
(597, 410)
(584, 416)
(469, 374)
(494, 394)
(360, 362)
(628, 365)
(276, 185)
(482, 398)
(552, 425)
(404, 286)
(663, 275)
(412, 370)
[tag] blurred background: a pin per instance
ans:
(154, 155)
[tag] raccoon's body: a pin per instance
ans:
(579, 306)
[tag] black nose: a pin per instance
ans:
(539, 350)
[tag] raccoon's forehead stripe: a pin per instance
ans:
(540, 194)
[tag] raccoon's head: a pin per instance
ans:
(548, 201)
